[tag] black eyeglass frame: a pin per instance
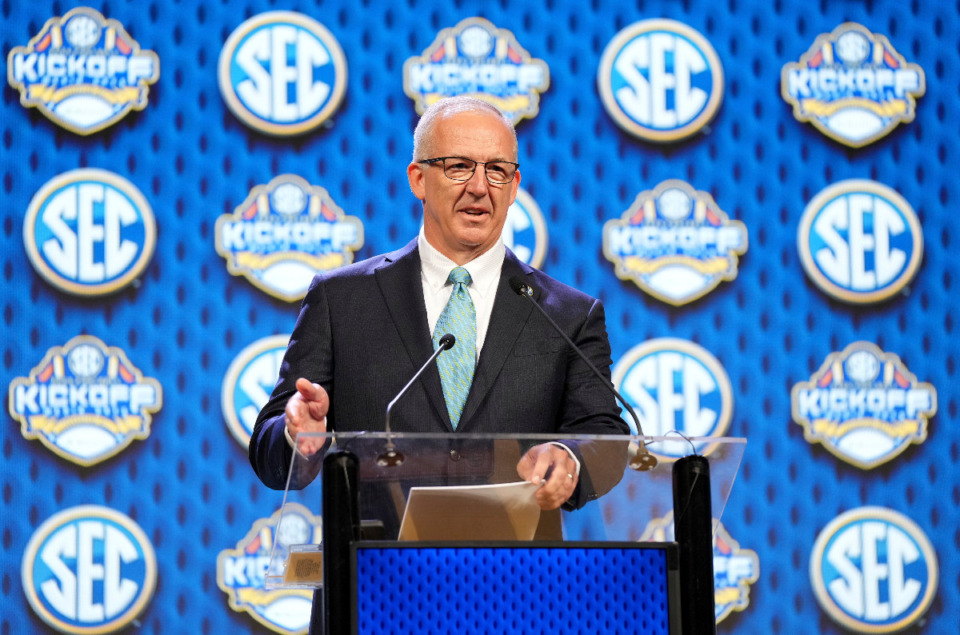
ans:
(516, 166)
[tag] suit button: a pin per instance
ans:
(454, 455)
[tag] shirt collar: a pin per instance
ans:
(484, 269)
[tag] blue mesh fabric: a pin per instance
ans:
(484, 590)
(189, 485)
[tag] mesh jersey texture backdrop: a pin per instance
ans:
(189, 485)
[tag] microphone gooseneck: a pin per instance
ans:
(390, 456)
(640, 460)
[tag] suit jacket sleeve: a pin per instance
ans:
(308, 355)
(590, 408)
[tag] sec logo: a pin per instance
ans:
(864, 405)
(873, 570)
(735, 569)
(525, 231)
(860, 241)
(676, 385)
(283, 233)
(248, 384)
(89, 569)
(83, 71)
(477, 59)
(252, 574)
(853, 86)
(85, 401)
(675, 243)
(89, 232)
(282, 73)
(660, 80)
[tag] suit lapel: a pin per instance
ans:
(402, 290)
(510, 313)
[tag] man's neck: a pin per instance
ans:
(459, 258)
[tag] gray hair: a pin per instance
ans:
(452, 106)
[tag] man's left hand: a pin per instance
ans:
(552, 466)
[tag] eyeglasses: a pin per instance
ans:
(460, 169)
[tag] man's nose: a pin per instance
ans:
(477, 184)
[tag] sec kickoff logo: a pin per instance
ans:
(853, 86)
(243, 572)
(675, 243)
(85, 401)
(660, 80)
(248, 383)
(873, 570)
(282, 73)
(734, 569)
(525, 231)
(89, 232)
(860, 241)
(89, 569)
(285, 232)
(676, 386)
(477, 59)
(82, 71)
(864, 406)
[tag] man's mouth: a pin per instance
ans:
(474, 211)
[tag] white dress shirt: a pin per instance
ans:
(484, 278)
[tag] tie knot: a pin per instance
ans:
(459, 275)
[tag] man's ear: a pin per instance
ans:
(416, 178)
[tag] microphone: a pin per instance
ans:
(640, 460)
(390, 456)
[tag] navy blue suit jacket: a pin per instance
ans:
(362, 334)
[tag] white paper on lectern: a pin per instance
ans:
(506, 511)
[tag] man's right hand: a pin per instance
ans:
(306, 411)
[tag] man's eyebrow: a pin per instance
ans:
(501, 159)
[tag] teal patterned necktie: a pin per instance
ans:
(456, 365)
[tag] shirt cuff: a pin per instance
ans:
(570, 452)
(292, 443)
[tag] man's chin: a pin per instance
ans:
(475, 236)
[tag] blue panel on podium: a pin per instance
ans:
(554, 587)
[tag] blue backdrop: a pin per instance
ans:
(189, 486)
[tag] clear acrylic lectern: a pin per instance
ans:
(463, 490)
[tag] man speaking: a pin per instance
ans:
(365, 329)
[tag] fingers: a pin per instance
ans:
(306, 388)
(556, 489)
(543, 469)
(525, 468)
(314, 399)
(551, 466)
(308, 446)
(306, 411)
